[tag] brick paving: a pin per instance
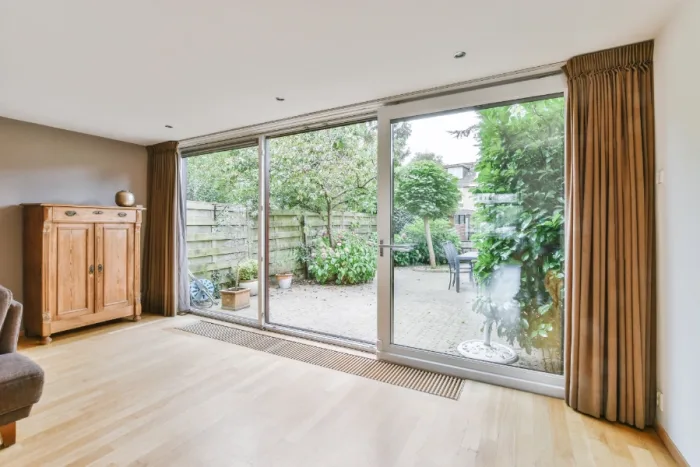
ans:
(427, 315)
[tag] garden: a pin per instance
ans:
(323, 243)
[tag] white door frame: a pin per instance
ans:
(528, 380)
(263, 249)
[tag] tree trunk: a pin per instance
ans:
(429, 239)
(329, 224)
(305, 246)
(487, 333)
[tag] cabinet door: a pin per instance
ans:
(115, 267)
(75, 285)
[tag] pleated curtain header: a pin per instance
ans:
(638, 56)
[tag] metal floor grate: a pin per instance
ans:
(391, 373)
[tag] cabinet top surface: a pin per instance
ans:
(137, 207)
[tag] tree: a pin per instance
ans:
(224, 177)
(325, 171)
(400, 133)
(321, 171)
(427, 156)
(519, 191)
(425, 189)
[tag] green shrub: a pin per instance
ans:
(248, 270)
(441, 231)
(406, 258)
(352, 261)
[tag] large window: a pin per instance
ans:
(434, 233)
(222, 231)
(322, 231)
(483, 299)
(494, 296)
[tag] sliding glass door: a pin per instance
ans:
(222, 233)
(435, 231)
(321, 227)
(471, 228)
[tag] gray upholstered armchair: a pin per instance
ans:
(21, 380)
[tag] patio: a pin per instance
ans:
(427, 315)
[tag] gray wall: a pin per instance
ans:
(39, 164)
(677, 101)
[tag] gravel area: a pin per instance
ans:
(427, 315)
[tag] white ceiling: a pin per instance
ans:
(124, 69)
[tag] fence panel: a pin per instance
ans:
(219, 236)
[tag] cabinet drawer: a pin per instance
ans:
(70, 214)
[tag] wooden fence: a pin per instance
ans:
(219, 236)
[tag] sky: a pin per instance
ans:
(430, 134)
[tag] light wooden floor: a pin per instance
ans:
(146, 394)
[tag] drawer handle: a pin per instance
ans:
(122, 214)
(71, 213)
(97, 212)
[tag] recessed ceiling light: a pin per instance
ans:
(280, 99)
(168, 126)
(460, 54)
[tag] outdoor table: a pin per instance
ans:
(469, 258)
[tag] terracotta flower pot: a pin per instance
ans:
(235, 298)
(284, 280)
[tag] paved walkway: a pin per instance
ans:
(426, 315)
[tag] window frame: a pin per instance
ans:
(492, 96)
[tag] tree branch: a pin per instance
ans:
(359, 186)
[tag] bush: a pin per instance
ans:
(352, 261)
(248, 270)
(406, 258)
(441, 231)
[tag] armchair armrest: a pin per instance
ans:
(9, 334)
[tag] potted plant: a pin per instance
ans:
(248, 276)
(234, 297)
(284, 280)
(496, 302)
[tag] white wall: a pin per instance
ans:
(677, 101)
(39, 164)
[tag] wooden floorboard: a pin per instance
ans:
(147, 394)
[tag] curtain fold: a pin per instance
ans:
(160, 243)
(610, 252)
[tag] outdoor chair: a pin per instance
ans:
(454, 265)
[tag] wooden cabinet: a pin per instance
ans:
(81, 266)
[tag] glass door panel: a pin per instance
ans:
(480, 195)
(222, 233)
(322, 232)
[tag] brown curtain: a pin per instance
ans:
(160, 255)
(610, 280)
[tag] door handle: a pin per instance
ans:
(99, 268)
(91, 269)
(396, 247)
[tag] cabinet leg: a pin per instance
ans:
(46, 340)
(8, 433)
(136, 318)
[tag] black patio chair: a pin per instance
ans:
(454, 265)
